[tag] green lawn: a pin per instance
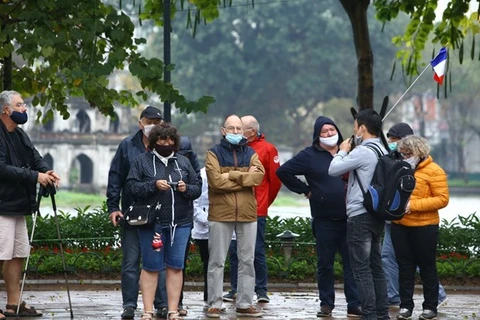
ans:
(461, 183)
(69, 199)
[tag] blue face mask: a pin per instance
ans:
(19, 117)
(233, 138)
(392, 146)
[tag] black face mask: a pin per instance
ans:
(164, 151)
(19, 117)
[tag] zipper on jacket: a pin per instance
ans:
(235, 162)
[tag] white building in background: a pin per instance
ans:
(81, 148)
(425, 114)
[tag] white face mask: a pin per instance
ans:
(412, 161)
(147, 128)
(330, 141)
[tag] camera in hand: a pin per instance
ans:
(173, 184)
(352, 143)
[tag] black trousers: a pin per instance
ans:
(416, 247)
(203, 248)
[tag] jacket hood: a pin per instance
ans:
(318, 126)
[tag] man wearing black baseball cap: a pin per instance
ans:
(127, 152)
(151, 113)
(399, 131)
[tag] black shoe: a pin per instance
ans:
(428, 314)
(162, 313)
(404, 314)
(354, 312)
(325, 311)
(128, 313)
(263, 298)
(230, 297)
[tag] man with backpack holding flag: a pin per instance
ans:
(364, 230)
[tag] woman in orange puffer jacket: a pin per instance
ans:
(415, 237)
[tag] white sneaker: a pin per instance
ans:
(442, 303)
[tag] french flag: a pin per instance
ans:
(439, 63)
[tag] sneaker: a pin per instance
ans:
(404, 313)
(229, 297)
(162, 313)
(428, 314)
(213, 312)
(442, 303)
(354, 312)
(263, 298)
(249, 312)
(128, 313)
(206, 306)
(325, 311)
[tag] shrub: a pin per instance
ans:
(92, 245)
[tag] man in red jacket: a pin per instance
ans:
(265, 194)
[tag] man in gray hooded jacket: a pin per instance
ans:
(364, 231)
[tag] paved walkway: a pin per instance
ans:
(106, 304)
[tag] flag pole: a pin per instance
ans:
(408, 89)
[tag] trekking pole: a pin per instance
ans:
(34, 223)
(54, 206)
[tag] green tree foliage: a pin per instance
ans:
(277, 61)
(449, 30)
(52, 49)
(460, 112)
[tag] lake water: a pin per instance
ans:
(458, 205)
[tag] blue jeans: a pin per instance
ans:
(161, 300)
(172, 255)
(330, 237)
(390, 267)
(130, 273)
(130, 267)
(260, 262)
(364, 235)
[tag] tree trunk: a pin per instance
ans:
(7, 73)
(7, 67)
(357, 13)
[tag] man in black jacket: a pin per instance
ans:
(21, 167)
(127, 152)
(328, 209)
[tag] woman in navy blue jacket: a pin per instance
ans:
(165, 177)
(326, 195)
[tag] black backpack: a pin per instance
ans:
(391, 186)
